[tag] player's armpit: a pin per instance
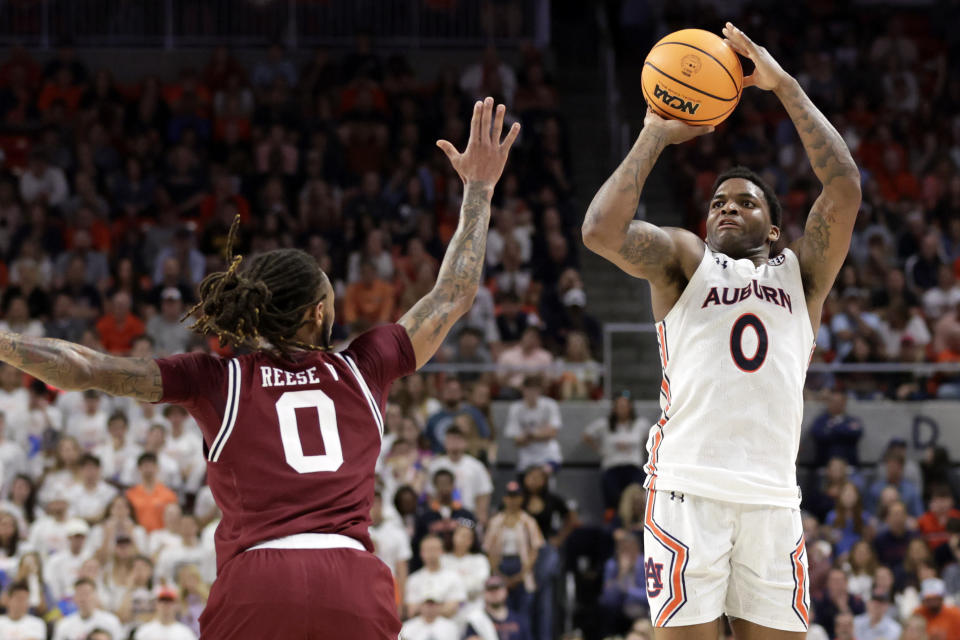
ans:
(826, 239)
(74, 367)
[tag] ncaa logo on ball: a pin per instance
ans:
(675, 102)
(690, 64)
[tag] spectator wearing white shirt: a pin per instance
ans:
(117, 452)
(472, 478)
(390, 541)
(44, 421)
(12, 546)
(43, 182)
(88, 616)
(619, 438)
(875, 624)
(429, 624)
(533, 422)
(165, 626)
(943, 297)
(168, 471)
(90, 497)
(527, 354)
(49, 533)
(88, 426)
(18, 624)
(118, 523)
(14, 402)
(169, 334)
(433, 579)
(169, 535)
(467, 562)
(66, 468)
(21, 502)
(184, 445)
(12, 458)
(189, 551)
(63, 567)
(18, 320)
(138, 603)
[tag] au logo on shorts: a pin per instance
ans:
(654, 573)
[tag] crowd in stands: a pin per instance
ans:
(883, 79)
(118, 197)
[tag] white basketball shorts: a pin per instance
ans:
(707, 557)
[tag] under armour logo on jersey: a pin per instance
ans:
(674, 495)
(653, 572)
(720, 261)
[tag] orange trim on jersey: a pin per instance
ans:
(799, 577)
(665, 387)
(657, 437)
(662, 341)
(677, 595)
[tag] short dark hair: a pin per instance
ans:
(82, 581)
(89, 458)
(19, 585)
(773, 204)
(443, 472)
(147, 457)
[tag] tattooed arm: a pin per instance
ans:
(826, 239)
(479, 166)
(70, 366)
(664, 256)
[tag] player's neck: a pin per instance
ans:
(757, 255)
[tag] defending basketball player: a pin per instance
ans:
(736, 322)
(292, 430)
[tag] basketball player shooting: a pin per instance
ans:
(736, 324)
(292, 430)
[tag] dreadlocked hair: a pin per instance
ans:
(264, 297)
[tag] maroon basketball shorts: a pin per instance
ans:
(302, 594)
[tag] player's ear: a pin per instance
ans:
(319, 311)
(774, 234)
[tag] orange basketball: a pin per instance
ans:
(693, 76)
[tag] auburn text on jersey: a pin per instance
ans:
(733, 295)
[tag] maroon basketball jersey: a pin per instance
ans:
(291, 448)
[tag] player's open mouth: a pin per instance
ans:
(727, 223)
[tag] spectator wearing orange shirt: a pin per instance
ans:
(60, 89)
(933, 524)
(370, 300)
(150, 497)
(118, 328)
(943, 620)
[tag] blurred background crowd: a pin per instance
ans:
(116, 198)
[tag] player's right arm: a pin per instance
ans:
(73, 367)
(639, 248)
(480, 165)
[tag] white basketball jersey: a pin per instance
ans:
(734, 350)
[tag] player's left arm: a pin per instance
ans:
(73, 367)
(480, 165)
(826, 239)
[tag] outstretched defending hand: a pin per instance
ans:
(767, 74)
(483, 159)
(673, 131)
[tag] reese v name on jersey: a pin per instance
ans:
(273, 377)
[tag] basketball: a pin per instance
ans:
(693, 76)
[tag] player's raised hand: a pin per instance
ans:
(483, 159)
(674, 131)
(767, 74)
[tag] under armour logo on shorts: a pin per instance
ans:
(674, 495)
